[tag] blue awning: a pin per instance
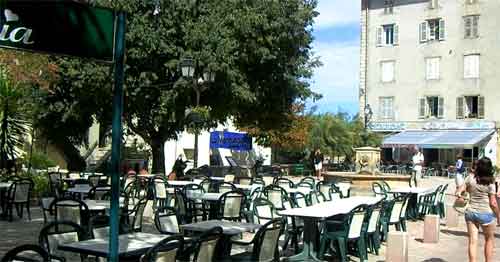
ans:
(437, 138)
(231, 140)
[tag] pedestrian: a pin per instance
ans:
(418, 163)
(318, 163)
(459, 171)
(483, 208)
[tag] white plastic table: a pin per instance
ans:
(134, 244)
(312, 214)
(179, 183)
(412, 190)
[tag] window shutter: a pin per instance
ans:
(381, 108)
(395, 34)
(480, 107)
(475, 26)
(421, 108)
(460, 107)
(441, 29)
(379, 35)
(440, 107)
(423, 32)
(467, 27)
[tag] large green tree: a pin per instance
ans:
(260, 51)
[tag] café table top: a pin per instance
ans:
(134, 244)
(412, 190)
(228, 227)
(330, 208)
(80, 189)
(99, 205)
(179, 182)
(5, 185)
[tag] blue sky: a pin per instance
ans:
(336, 43)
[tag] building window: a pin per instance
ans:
(433, 29)
(471, 26)
(387, 35)
(386, 108)
(470, 107)
(387, 68)
(431, 107)
(471, 66)
(433, 4)
(388, 6)
(432, 68)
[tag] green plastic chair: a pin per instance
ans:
(334, 193)
(373, 227)
(441, 202)
(393, 217)
(344, 229)
(378, 189)
(325, 189)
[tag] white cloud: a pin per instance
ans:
(337, 12)
(338, 78)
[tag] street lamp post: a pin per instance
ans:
(368, 113)
(200, 84)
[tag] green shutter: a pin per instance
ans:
(460, 107)
(480, 107)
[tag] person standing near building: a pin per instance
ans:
(483, 208)
(459, 171)
(418, 163)
(318, 163)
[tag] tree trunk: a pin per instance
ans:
(157, 146)
(71, 154)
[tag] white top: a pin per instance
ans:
(5, 185)
(330, 208)
(128, 243)
(418, 161)
(412, 190)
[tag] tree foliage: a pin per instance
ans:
(338, 135)
(260, 51)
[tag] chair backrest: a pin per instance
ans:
(268, 180)
(316, 197)
(61, 232)
(20, 191)
(304, 184)
(160, 188)
(374, 220)
(245, 180)
(285, 183)
(309, 180)
(31, 253)
(45, 203)
(99, 227)
(231, 204)
(385, 186)
(263, 210)
(300, 200)
(267, 237)
(229, 178)
(324, 188)
(180, 205)
(94, 180)
(334, 192)
(397, 208)
(206, 184)
(165, 251)
(166, 221)
(69, 209)
(258, 181)
(356, 222)
(276, 194)
(223, 187)
(436, 194)
(138, 213)
(378, 189)
(442, 194)
(98, 192)
(345, 188)
(191, 190)
(205, 245)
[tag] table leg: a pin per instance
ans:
(310, 239)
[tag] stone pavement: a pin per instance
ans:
(452, 246)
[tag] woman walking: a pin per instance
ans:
(483, 208)
(318, 163)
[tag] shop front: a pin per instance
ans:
(440, 141)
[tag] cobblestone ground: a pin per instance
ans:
(452, 246)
